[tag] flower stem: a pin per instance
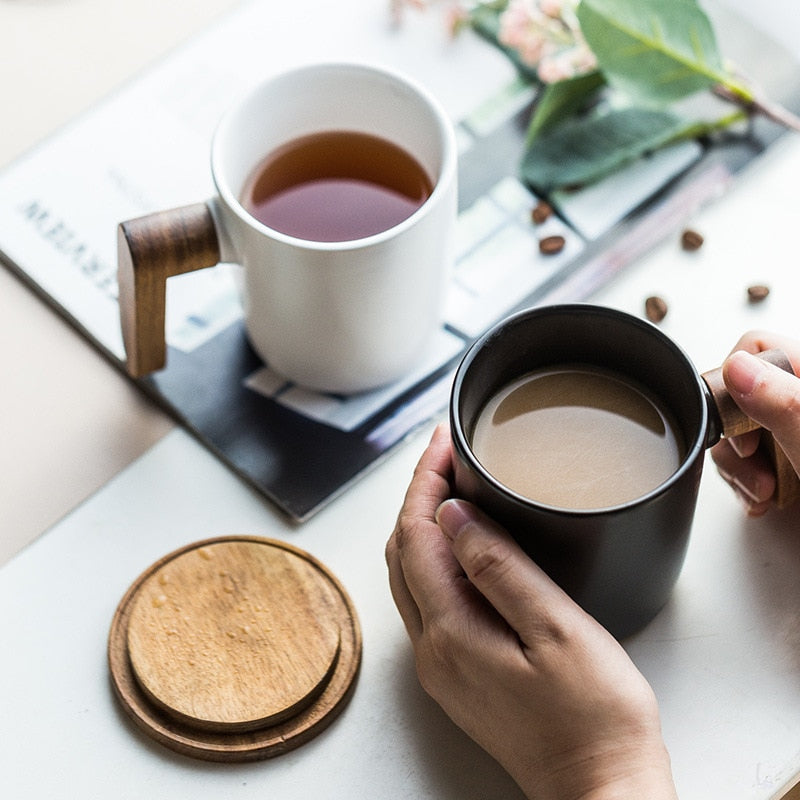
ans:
(761, 105)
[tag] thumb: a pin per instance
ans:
(517, 588)
(769, 396)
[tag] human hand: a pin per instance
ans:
(771, 397)
(512, 659)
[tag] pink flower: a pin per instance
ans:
(565, 64)
(552, 8)
(545, 33)
(547, 37)
(456, 18)
(398, 7)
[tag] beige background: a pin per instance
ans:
(68, 420)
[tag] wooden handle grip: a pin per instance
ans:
(150, 250)
(734, 422)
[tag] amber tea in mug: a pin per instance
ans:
(577, 437)
(336, 186)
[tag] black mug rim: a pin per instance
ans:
(461, 440)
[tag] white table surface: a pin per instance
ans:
(723, 657)
(69, 420)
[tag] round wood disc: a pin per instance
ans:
(234, 649)
(228, 636)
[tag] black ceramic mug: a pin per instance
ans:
(619, 562)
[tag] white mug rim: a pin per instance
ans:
(442, 180)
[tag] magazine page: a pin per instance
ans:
(146, 148)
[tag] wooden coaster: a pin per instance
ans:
(234, 649)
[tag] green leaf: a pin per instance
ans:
(656, 51)
(588, 149)
(559, 100)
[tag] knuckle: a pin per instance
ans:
(390, 550)
(406, 530)
(793, 401)
(558, 632)
(488, 562)
(785, 419)
(438, 657)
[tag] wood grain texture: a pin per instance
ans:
(230, 636)
(791, 794)
(151, 249)
(734, 422)
(234, 649)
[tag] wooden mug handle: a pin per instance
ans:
(150, 249)
(734, 422)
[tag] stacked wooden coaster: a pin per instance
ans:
(234, 649)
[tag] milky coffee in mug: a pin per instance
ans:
(594, 374)
(614, 424)
(577, 436)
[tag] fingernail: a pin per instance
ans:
(745, 501)
(747, 495)
(735, 444)
(742, 492)
(743, 372)
(453, 516)
(439, 430)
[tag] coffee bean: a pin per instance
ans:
(551, 245)
(691, 240)
(655, 308)
(757, 293)
(541, 212)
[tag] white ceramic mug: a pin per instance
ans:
(334, 316)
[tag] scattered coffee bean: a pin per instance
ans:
(691, 240)
(551, 245)
(655, 308)
(541, 212)
(757, 293)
